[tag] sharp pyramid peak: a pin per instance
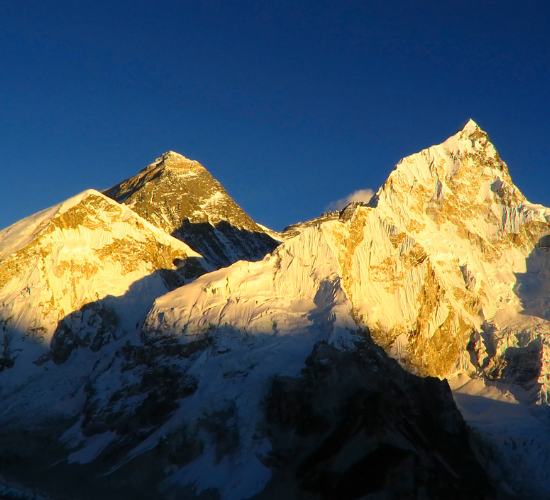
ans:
(174, 156)
(470, 139)
(173, 159)
(181, 197)
(471, 127)
(465, 166)
(160, 171)
(169, 161)
(472, 132)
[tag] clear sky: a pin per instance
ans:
(291, 105)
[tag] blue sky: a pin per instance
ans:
(290, 105)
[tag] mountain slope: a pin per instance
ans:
(432, 257)
(458, 202)
(180, 196)
(81, 274)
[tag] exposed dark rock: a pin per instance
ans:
(520, 365)
(355, 423)
(92, 326)
(223, 244)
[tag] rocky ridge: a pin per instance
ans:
(181, 197)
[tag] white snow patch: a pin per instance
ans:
(92, 448)
(503, 416)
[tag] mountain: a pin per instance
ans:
(315, 371)
(180, 196)
(443, 268)
(81, 274)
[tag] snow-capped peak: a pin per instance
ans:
(82, 251)
(174, 154)
(470, 127)
(174, 159)
(168, 161)
(16, 236)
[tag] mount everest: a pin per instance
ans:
(182, 198)
(158, 343)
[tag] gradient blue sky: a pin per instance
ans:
(289, 104)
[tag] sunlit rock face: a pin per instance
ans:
(426, 266)
(180, 196)
(83, 273)
(487, 274)
(456, 205)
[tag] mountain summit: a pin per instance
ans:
(180, 196)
